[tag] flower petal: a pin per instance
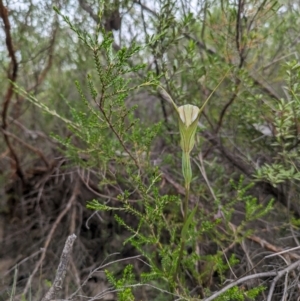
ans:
(188, 114)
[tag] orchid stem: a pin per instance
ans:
(186, 170)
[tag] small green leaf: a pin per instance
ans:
(188, 222)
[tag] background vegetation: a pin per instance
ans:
(90, 145)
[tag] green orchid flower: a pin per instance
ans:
(188, 120)
(188, 117)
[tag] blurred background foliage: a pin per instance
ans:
(249, 130)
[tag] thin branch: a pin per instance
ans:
(48, 66)
(239, 32)
(240, 281)
(12, 76)
(204, 20)
(241, 51)
(256, 81)
(157, 71)
(146, 8)
(279, 275)
(277, 250)
(85, 6)
(101, 267)
(107, 119)
(50, 235)
(228, 104)
(255, 15)
(22, 261)
(89, 10)
(35, 150)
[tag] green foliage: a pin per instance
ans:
(105, 113)
(152, 224)
(123, 285)
(286, 138)
(153, 221)
(182, 239)
(253, 210)
(48, 283)
(239, 294)
(277, 173)
(13, 290)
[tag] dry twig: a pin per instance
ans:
(276, 274)
(279, 275)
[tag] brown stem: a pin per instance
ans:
(12, 77)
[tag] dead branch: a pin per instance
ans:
(275, 274)
(272, 248)
(61, 270)
(239, 281)
(281, 274)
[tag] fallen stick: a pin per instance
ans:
(61, 270)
